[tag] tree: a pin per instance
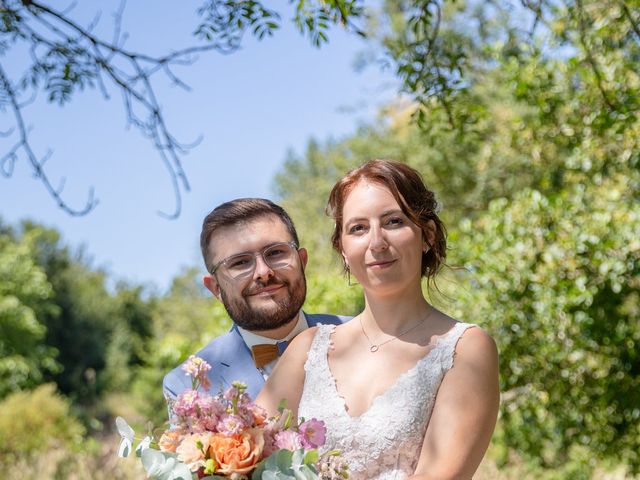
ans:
(440, 49)
(66, 57)
(556, 280)
(25, 296)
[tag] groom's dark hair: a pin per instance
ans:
(238, 211)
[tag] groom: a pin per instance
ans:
(256, 269)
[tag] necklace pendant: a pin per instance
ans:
(374, 348)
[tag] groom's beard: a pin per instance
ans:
(276, 315)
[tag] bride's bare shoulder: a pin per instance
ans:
(477, 348)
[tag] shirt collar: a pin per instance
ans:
(252, 338)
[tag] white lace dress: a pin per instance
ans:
(385, 441)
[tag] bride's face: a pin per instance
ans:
(381, 246)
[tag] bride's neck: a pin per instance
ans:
(393, 314)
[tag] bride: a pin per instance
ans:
(405, 391)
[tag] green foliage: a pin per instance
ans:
(92, 459)
(332, 294)
(130, 337)
(24, 299)
(32, 421)
(556, 280)
(189, 311)
(226, 21)
(440, 50)
(57, 306)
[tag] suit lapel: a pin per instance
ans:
(242, 368)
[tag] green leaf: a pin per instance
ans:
(311, 457)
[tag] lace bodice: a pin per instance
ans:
(385, 441)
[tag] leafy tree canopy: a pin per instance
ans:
(25, 297)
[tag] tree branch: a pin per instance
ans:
(590, 58)
(36, 164)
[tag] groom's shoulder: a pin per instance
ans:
(314, 319)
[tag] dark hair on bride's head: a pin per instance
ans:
(416, 201)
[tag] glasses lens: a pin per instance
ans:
(240, 265)
(279, 255)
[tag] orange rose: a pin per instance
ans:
(170, 440)
(238, 453)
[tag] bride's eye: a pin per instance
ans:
(395, 221)
(357, 228)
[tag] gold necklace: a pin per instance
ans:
(374, 347)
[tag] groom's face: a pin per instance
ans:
(268, 298)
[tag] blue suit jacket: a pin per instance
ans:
(231, 360)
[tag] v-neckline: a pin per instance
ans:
(345, 408)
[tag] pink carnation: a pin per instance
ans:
(288, 439)
(312, 433)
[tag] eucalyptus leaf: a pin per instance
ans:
(143, 445)
(282, 460)
(124, 429)
(305, 473)
(297, 458)
(125, 448)
(164, 466)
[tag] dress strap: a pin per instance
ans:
(319, 346)
(449, 341)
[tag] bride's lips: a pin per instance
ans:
(381, 264)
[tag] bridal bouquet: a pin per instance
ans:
(229, 436)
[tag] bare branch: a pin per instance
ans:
(29, 101)
(24, 146)
(7, 164)
(175, 80)
(117, 20)
(70, 8)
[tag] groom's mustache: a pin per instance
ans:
(252, 289)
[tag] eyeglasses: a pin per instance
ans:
(275, 256)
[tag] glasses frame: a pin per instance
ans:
(224, 261)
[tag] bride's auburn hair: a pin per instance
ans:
(417, 202)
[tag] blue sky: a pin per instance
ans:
(250, 107)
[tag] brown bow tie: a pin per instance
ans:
(266, 353)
